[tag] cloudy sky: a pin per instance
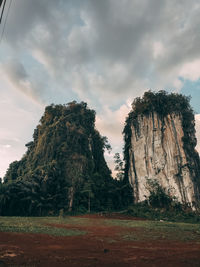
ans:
(104, 52)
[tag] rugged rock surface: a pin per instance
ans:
(160, 141)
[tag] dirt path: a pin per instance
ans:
(101, 246)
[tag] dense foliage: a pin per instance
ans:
(160, 205)
(63, 169)
(163, 104)
(176, 213)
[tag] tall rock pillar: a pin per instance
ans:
(160, 141)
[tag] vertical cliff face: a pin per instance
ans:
(160, 146)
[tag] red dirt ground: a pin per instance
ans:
(101, 246)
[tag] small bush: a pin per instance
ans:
(158, 197)
(175, 214)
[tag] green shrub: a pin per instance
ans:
(174, 214)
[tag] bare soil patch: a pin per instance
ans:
(101, 246)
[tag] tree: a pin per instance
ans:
(11, 174)
(119, 166)
(87, 189)
(158, 197)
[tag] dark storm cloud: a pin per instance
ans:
(17, 75)
(25, 15)
(107, 47)
(122, 25)
(16, 71)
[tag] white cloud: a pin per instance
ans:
(158, 49)
(43, 59)
(191, 70)
(111, 123)
(6, 146)
(19, 116)
(177, 84)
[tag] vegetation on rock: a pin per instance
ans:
(165, 104)
(63, 168)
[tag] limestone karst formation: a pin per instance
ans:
(63, 168)
(160, 147)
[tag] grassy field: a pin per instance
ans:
(131, 229)
(159, 230)
(96, 240)
(40, 225)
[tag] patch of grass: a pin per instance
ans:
(152, 230)
(38, 225)
(129, 229)
(161, 235)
